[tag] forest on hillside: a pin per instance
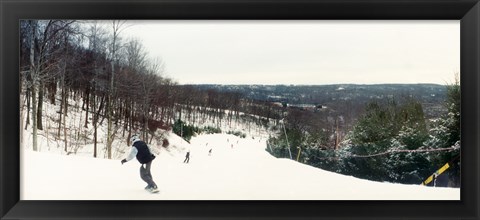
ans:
(400, 138)
(118, 83)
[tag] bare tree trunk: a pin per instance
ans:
(28, 107)
(60, 118)
(95, 140)
(109, 126)
(145, 122)
(151, 138)
(52, 90)
(65, 136)
(94, 86)
(40, 107)
(95, 125)
(125, 120)
(33, 91)
(66, 100)
(131, 121)
(22, 106)
(34, 117)
(87, 102)
(94, 122)
(62, 103)
(116, 31)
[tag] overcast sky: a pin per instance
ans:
(303, 52)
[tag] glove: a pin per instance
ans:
(123, 161)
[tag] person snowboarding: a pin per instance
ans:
(187, 157)
(144, 155)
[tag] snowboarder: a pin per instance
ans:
(187, 157)
(144, 155)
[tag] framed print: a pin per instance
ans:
(261, 110)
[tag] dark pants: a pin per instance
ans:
(187, 159)
(146, 175)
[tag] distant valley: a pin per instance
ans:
(342, 97)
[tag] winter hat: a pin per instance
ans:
(134, 138)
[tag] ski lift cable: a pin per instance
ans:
(453, 148)
(407, 151)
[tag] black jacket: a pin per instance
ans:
(143, 155)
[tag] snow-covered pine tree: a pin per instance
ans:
(445, 133)
(386, 128)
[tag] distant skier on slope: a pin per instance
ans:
(144, 155)
(187, 157)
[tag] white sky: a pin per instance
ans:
(303, 52)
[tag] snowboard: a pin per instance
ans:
(153, 190)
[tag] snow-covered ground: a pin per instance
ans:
(238, 169)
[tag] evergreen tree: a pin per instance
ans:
(445, 133)
(372, 149)
(183, 130)
(280, 144)
(410, 167)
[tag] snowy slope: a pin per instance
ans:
(238, 169)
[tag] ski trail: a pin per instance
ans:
(242, 172)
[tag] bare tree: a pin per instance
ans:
(149, 81)
(97, 45)
(117, 28)
(33, 77)
(43, 40)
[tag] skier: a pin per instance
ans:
(434, 182)
(187, 157)
(142, 152)
(210, 152)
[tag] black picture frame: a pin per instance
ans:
(467, 11)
